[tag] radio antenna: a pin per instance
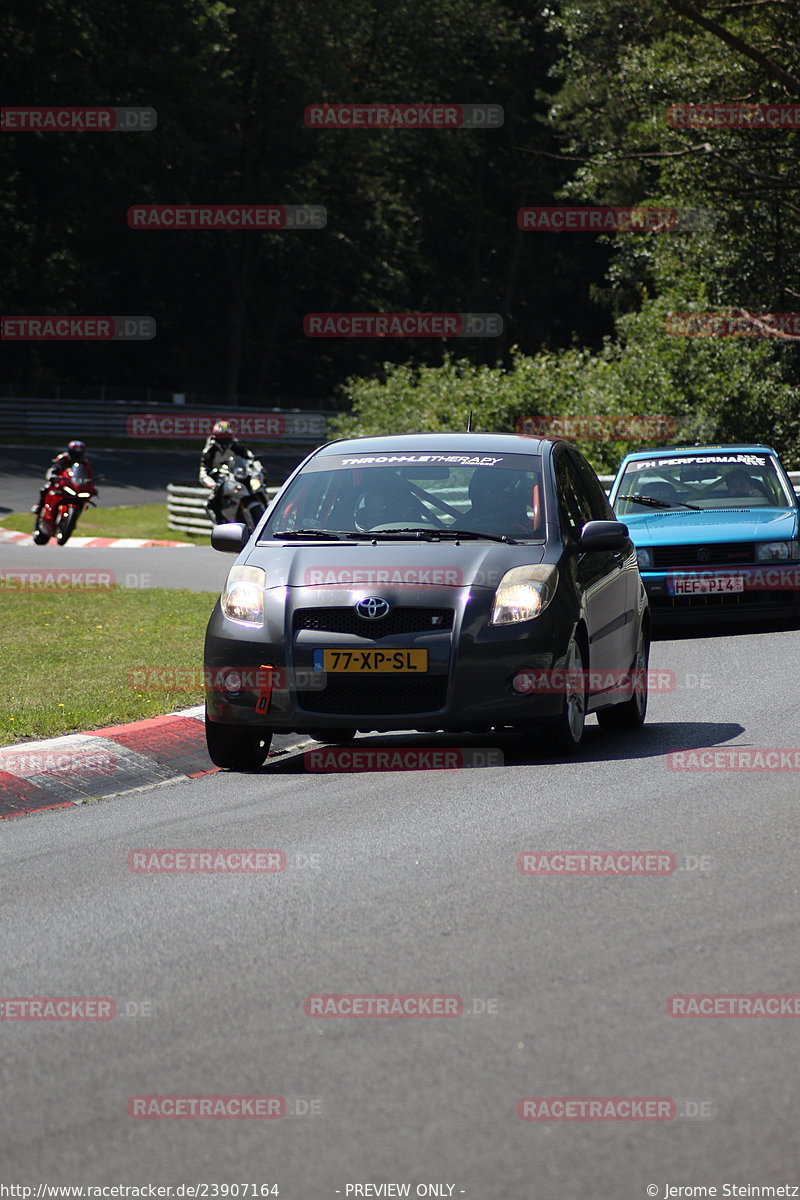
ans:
(469, 422)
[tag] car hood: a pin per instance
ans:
(386, 564)
(695, 528)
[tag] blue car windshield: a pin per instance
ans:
(497, 497)
(734, 479)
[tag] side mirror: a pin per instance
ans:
(230, 538)
(603, 535)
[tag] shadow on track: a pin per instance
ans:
(652, 741)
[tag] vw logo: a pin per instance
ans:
(703, 554)
(372, 608)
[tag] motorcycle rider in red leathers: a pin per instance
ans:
(74, 453)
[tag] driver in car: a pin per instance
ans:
(741, 483)
(386, 499)
(499, 504)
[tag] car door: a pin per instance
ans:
(599, 575)
(625, 583)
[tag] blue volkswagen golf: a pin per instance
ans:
(715, 530)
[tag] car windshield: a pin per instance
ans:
(701, 481)
(490, 495)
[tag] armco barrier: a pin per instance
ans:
(59, 420)
(186, 507)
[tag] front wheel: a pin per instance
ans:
(65, 524)
(568, 733)
(237, 747)
(40, 537)
(631, 713)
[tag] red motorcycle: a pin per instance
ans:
(68, 493)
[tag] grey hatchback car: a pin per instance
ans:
(428, 582)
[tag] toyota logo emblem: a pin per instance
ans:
(372, 608)
(704, 554)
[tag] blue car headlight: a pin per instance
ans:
(777, 551)
(242, 597)
(644, 558)
(524, 593)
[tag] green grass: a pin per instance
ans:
(67, 657)
(131, 521)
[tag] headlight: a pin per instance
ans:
(243, 595)
(523, 593)
(255, 484)
(777, 551)
(644, 558)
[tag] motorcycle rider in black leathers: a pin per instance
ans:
(220, 448)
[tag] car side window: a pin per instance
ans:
(574, 506)
(598, 501)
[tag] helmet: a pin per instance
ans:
(76, 451)
(222, 431)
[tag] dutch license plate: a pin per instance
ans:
(371, 662)
(705, 585)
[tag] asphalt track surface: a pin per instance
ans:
(415, 888)
(132, 476)
(196, 568)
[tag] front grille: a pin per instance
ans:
(399, 620)
(376, 696)
(687, 556)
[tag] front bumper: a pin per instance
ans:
(768, 590)
(468, 684)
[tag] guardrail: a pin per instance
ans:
(186, 507)
(174, 425)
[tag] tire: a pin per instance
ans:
(631, 713)
(237, 747)
(40, 537)
(567, 734)
(65, 525)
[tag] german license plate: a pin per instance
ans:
(371, 662)
(705, 585)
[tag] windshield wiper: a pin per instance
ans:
(328, 534)
(651, 500)
(435, 535)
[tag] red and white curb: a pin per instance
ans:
(12, 537)
(65, 771)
